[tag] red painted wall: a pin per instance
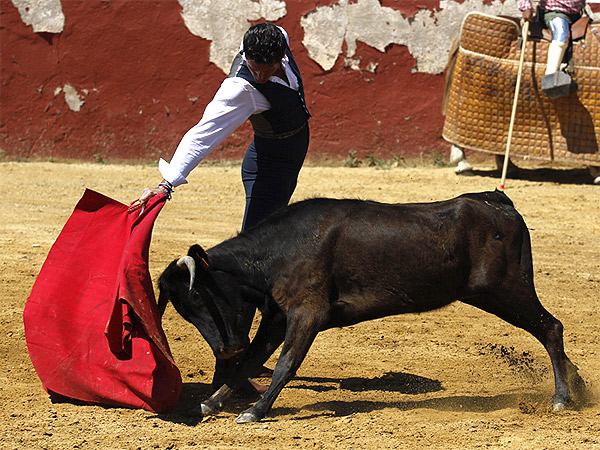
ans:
(139, 66)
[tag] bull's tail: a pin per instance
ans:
(501, 197)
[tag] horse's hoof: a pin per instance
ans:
(247, 417)
(463, 168)
(559, 406)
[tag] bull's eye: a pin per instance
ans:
(498, 236)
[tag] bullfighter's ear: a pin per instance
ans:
(199, 255)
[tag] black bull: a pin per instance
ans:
(326, 263)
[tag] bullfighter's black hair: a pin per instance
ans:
(264, 43)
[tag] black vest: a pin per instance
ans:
(288, 113)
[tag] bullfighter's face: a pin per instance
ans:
(262, 72)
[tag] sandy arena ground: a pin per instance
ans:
(457, 378)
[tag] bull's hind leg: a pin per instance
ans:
(519, 305)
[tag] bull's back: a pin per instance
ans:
(368, 259)
(393, 259)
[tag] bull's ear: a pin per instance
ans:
(199, 256)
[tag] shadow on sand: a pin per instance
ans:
(563, 176)
(458, 403)
(194, 393)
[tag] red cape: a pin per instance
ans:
(91, 322)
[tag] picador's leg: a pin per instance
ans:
(560, 41)
(556, 83)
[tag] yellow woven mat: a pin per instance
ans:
(480, 97)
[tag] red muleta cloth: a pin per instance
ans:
(91, 322)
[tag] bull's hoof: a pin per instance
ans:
(215, 403)
(206, 409)
(559, 407)
(247, 417)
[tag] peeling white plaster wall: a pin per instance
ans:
(46, 16)
(72, 98)
(428, 35)
(224, 22)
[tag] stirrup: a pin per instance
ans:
(557, 84)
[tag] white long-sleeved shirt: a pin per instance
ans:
(235, 101)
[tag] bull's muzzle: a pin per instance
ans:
(230, 352)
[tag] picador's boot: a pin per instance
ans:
(556, 83)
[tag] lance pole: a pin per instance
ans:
(525, 33)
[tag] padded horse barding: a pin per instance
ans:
(480, 95)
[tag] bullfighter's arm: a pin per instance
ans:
(233, 103)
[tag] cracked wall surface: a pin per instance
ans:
(428, 35)
(45, 16)
(128, 78)
(72, 97)
(225, 22)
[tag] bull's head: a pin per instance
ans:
(206, 298)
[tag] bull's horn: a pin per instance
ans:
(188, 261)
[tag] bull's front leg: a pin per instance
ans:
(303, 324)
(269, 336)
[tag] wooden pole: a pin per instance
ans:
(515, 101)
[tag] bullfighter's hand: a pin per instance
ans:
(147, 194)
(528, 15)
